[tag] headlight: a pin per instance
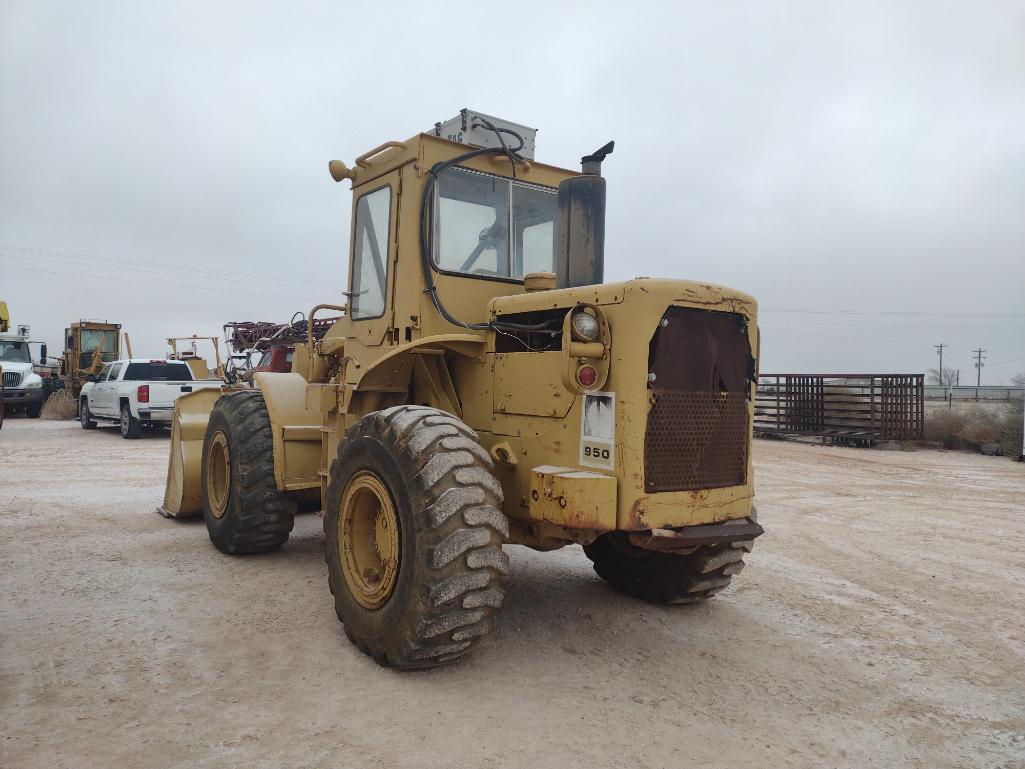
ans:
(32, 382)
(585, 326)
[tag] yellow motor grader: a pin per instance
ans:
(484, 387)
(88, 347)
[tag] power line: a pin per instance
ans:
(978, 366)
(161, 283)
(198, 272)
(833, 337)
(900, 313)
(1004, 363)
(77, 256)
(861, 323)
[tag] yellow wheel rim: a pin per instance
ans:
(368, 540)
(218, 474)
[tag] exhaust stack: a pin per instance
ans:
(580, 226)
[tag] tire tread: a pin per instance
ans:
(456, 502)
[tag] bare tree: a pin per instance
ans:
(947, 379)
(1018, 380)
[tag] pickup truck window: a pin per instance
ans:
(103, 373)
(115, 370)
(171, 371)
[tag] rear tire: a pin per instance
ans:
(665, 577)
(242, 506)
(432, 599)
(131, 428)
(85, 416)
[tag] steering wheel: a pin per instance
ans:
(490, 237)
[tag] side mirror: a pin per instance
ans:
(91, 378)
(42, 354)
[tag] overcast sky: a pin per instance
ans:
(858, 167)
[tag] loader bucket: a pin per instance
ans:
(199, 367)
(183, 497)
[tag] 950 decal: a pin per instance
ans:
(598, 430)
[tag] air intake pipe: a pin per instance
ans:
(580, 226)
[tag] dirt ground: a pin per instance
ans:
(880, 623)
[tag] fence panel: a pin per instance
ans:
(852, 408)
(983, 393)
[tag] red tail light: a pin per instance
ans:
(587, 376)
(143, 393)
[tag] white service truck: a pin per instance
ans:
(22, 386)
(137, 393)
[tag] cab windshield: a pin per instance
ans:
(91, 340)
(14, 352)
(492, 226)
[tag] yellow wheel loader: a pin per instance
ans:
(485, 387)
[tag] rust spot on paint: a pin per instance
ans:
(635, 518)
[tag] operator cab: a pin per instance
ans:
(475, 216)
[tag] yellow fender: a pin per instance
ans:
(182, 497)
(413, 364)
(296, 430)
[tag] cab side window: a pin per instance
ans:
(370, 254)
(114, 371)
(103, 373)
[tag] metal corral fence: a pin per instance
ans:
(848, 408)
(964, 393)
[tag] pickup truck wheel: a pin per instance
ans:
(131, 427)
(413, 532)
(85, 417)
(242, 506)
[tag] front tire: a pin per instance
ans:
(413, 535)
(85, 416)
(242, 506)
(33, 410)
(131, 428)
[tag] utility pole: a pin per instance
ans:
(978, 365)
(940, 347)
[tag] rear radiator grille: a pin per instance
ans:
(695, 440)
(700, 376)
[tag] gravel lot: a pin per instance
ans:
(880, 622)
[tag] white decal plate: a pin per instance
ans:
(598, 430)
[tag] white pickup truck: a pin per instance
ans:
(137, 393)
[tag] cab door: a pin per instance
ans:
(101, 396)
(371, 266)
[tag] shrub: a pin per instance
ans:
(979, 426)
(60, 405)
(1011, 431)
(943, 426)
(972, 428)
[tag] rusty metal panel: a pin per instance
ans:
(688, 538)
(695, 440)
(700, 375)
(700, 351)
